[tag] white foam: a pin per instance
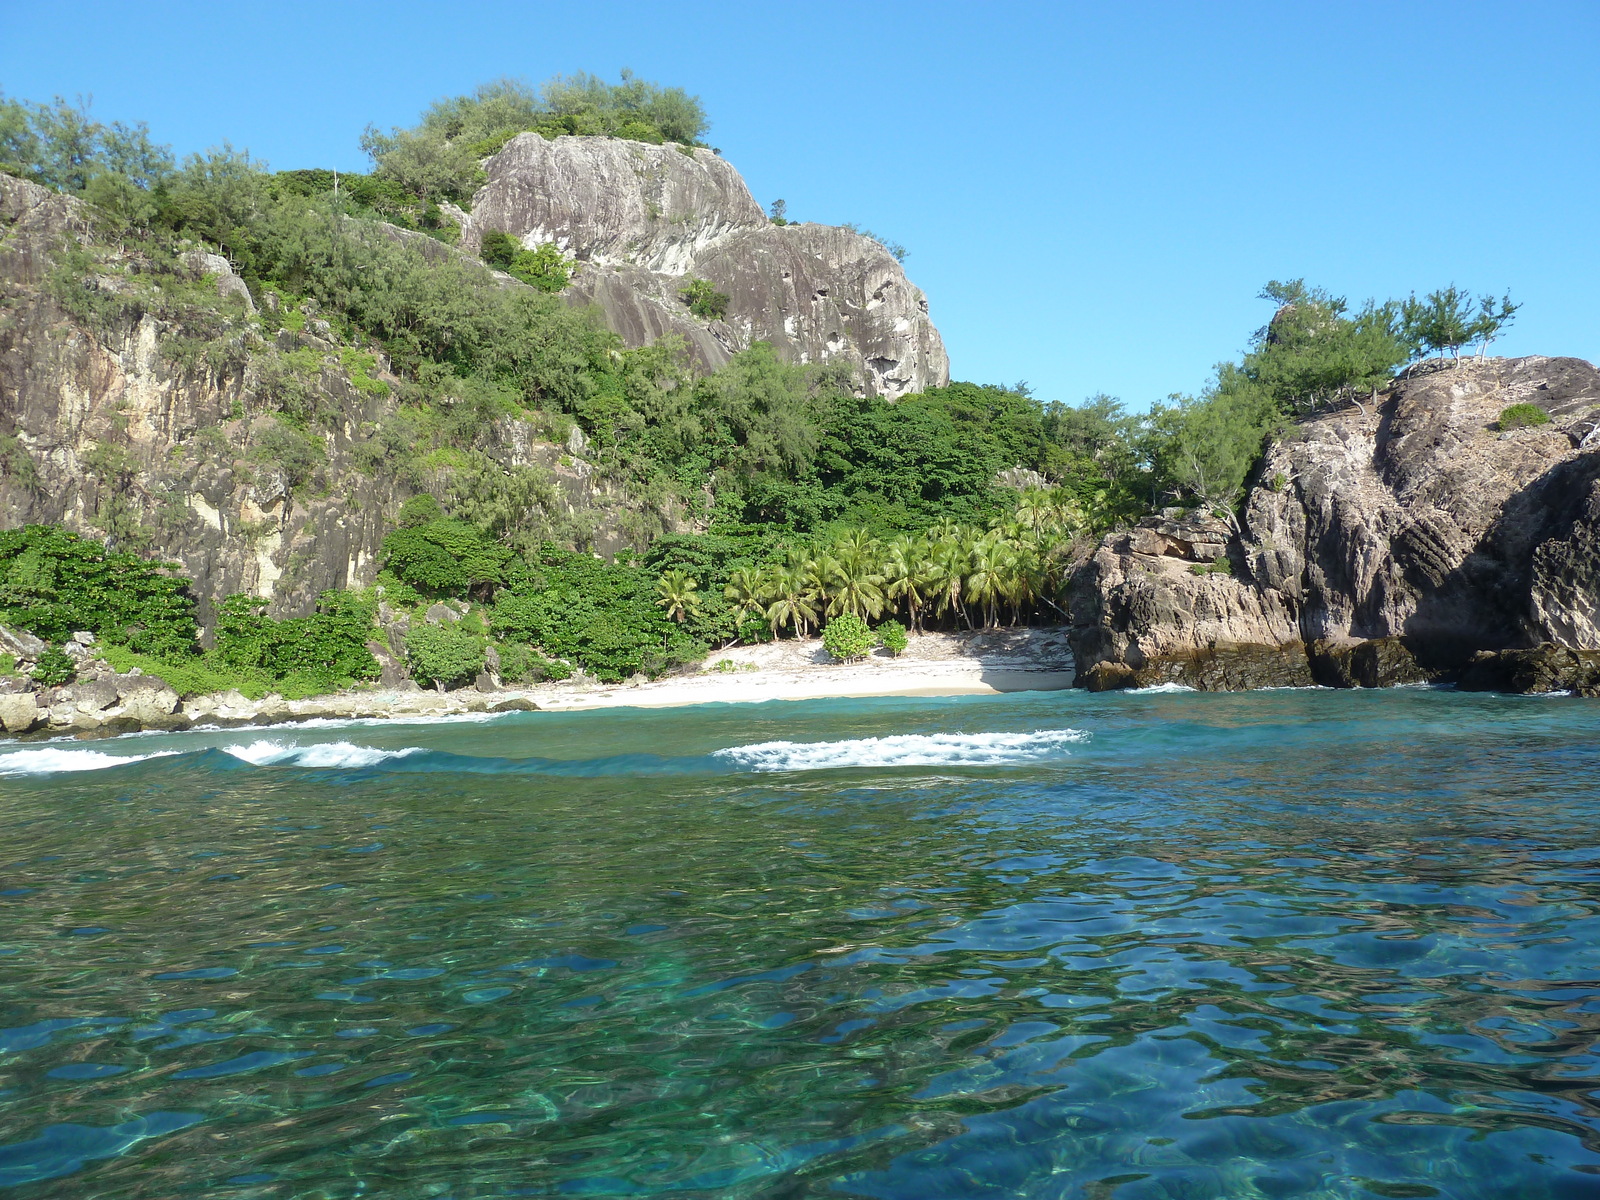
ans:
(1162, 689)
(326, 754)
(906, 750)
(51, 761)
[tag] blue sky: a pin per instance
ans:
(1092, 194)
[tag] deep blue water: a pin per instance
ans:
(1175, 946)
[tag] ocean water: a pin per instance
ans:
(1166, 946)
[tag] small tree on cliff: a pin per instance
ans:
(1443, 321)
(1203, 447)
(1493, 317)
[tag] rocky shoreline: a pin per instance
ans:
(106, 704)
(134, 704)
(1411, 541)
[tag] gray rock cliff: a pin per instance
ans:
(640, 219)
(1411, 541)
(111, 427)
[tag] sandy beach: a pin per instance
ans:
(935, 664)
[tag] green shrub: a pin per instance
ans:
(499, 249)
(444, 655)
(293, 452)
(53, 583)
(704, 300)
(602, 616)
(1218, 566)
(441, 557)
(55, 667)
(847, 637)
(357, 365)
(520, 663)
(1523, 416)
(420, 509)
(326, 650)
(8, 664)
(892, 635)
(16, 462)
(546, 268)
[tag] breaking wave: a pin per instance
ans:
(53, 760)
(50, 760)
(328, 754)
(906, 750)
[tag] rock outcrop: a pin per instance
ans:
(144, 424)
(1415, 540)
(640, 219)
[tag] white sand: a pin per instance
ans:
(935, 664)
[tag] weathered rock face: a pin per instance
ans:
(608, 201)
(111, 427)
(1152, 606)
(642, 218)
(1419, 530)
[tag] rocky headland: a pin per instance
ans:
(1402, 541)
(144, 419)
(641, 219)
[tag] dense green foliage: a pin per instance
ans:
(847, 637)
(446, 655)
(1521, 416)
(323, 651)
(601, 615)
(55, 667)
(704, 300)
(446, 558)
(54, 583)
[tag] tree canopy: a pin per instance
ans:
(438, 157)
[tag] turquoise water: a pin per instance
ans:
(1285, 944)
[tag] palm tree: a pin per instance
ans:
(948, 571)
(744, 588)
(791, 603)
(1020, 579)
(679, 595)
(812, 581)
(1034, 509)
(908, 575)
(857, 584)
(986, 583)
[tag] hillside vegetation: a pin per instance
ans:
(763, 500)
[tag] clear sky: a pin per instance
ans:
(1092, 193)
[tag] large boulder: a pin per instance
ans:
(20, 712)
(92, 697)
(1539, 669)
(151, 707)
(21, 644)
(1380, 545)
(641, 219)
